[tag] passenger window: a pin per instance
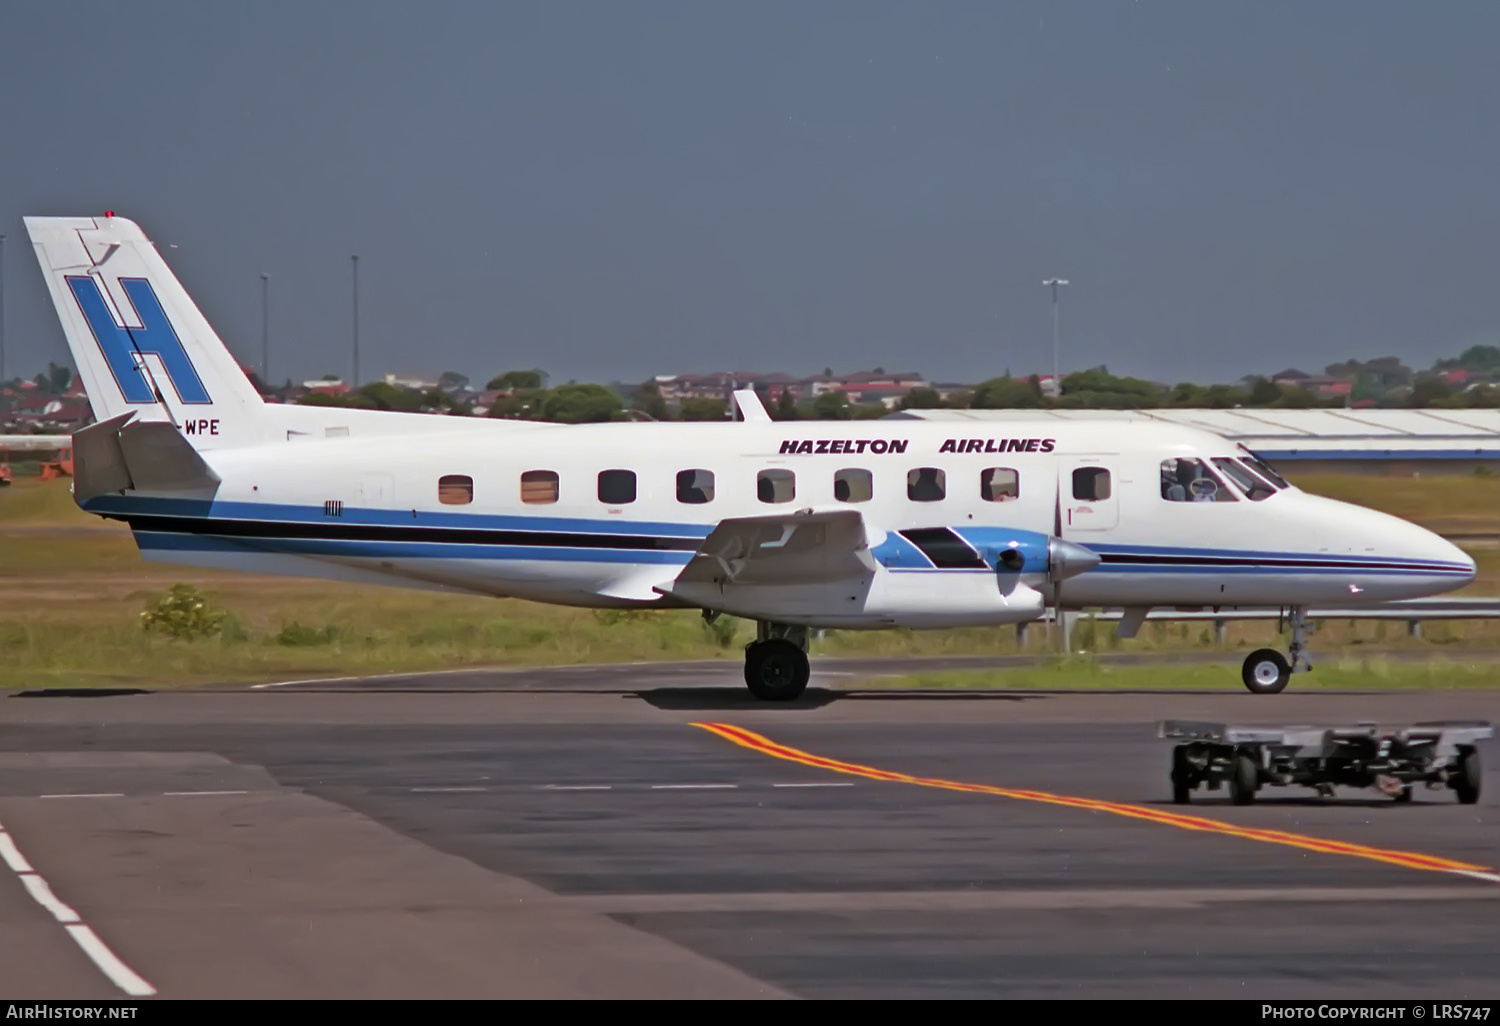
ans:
(999, 484)
(1254, 488)
(776, 486)
(455, 489)
(695, 486)
(616, 487)
(1190, 480)
(926, 484)
(1091, 483)
(853, 486)
(539, 487)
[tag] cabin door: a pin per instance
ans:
(1088, 493)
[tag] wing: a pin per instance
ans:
(807, 547)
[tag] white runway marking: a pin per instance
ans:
(829, 784)
(42, 894)
(12, 855)
(116, 795)
(447, 790)
(693, 787)
(576, 787)
(1486, 877)
(184, 794)
(120, 974)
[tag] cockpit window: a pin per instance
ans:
(1254, 488)
(1254, 463)
(1184, 479)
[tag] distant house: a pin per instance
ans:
(326, 387)
(412, 381)
(674, 388)
(1291, 378)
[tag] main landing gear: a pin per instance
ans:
(776, 667)
(1266, 671)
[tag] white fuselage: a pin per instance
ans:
(365, 505)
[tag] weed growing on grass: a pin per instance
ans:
(722, 631)
(296, 634)
(183, 613)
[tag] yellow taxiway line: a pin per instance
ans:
(1408, 859)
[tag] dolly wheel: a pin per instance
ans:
(1465, 782)
(1182, 776)
(1244, 779)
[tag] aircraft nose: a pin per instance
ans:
(1447, 566)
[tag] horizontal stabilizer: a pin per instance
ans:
(122, 454)
(98, 461)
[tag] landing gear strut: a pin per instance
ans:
(776, 667)
(1266, 671)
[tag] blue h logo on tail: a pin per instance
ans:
(121, 344)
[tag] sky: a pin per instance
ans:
(617, 189)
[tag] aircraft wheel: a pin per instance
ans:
(1466, 782)
(1182, 776)
(776, 670)
(1402, 796)
(1244, 779)
(1266, 671)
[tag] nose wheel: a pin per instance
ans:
(776, 667)
(1267, 672)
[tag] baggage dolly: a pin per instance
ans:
(1392, 759)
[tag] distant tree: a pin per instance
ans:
(1485, 359)
(786, 406)
(1007, 394)
(581, 404)
(704, 409)
(518, 380)
(388, 397)
(1097, 388)
(648, 400)
(832, 406)
(452, 381)
(58, 377)
(322, 399)
(920, 399)
(1298, 398)
(1384, 372)
(1429, 391)
(1263, 392)
(518, 406)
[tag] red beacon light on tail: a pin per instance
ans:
(109, 213)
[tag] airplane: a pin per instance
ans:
(799, 526)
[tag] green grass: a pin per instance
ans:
(1088, 675)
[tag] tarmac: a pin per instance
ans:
(600, 833)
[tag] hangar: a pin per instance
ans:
(1399, 442)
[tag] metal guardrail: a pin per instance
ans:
(34, 443)
(1408, 610)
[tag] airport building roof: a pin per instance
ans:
(1321, 434)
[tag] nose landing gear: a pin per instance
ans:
(1266, 671)
(776, 667)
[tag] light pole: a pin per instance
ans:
(355, 383)
(265, 329)
(2, 307)
(1056, 321)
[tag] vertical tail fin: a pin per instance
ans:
(140, 342)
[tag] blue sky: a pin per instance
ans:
(614, 190)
